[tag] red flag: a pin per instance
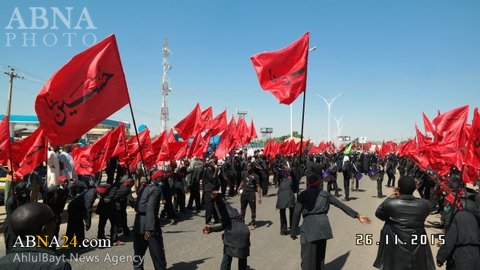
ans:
(157, 143)
(173, 151)
(191, 124)
(427, 124)
(93, 158)
(206, 117)
(118, 142)
(28, 153)
(4, 139)
(81, 94)
(284, 72)
(241, 133)
(218, 124)
(472, 156)
(199, 146)
(227, 140)
(145, 146)
(252, 131)
(449, 125)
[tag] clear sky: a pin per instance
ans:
(392, 60)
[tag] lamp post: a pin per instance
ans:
(329, 106)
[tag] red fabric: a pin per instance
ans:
(93, 158)
(4, 140)
(218, 124)
(173, 151)
(427, 124)
(252, 132)
(241, 133)
(146, 148)
(284, 72)
(472, 156)
(28, 153)
(191, 124)
(206, 117)
(81, 94)
(227, 140)
(157, 144)
(199, 146)
(118, 142)
(449, 125)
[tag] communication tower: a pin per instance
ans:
(164, 114)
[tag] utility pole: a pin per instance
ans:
(8, 184)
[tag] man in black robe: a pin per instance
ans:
(403, 240)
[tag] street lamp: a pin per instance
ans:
(329, 105)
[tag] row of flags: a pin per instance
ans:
(88, 89)
(91, 87)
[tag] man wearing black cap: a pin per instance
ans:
(402, 238)
(313, 205)
(33, 219)
(147, 230)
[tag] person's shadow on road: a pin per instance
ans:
(188, 265)
(338, 263)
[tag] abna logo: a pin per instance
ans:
(52, 19)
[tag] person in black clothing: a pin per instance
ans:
(462, 239)
(194, 186)
(80, 214)
(401, 244)
(167, 211)
(285, 198)
(147, 230)
(33, 219)
(249, 185)
(57, 198)
(107, 211)
(236, 236)
(313, 205)
(110, 169)
(178, 188)
(390, 168)
(20, 196)
(347, 170)
(122, 198)
(209, 185)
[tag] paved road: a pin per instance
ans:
(187, 248)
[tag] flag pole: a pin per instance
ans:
(138, 139)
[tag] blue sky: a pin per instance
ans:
(392, 60)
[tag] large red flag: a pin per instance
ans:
(81, 94)
(284, 72)
(28, 153)
(227, 140)
(252, 131)
(472, 156)
(4, 139)
(200, 146)
(93, 158)
(241, 133)
(449, 125)
(191, 124)
(217, 124)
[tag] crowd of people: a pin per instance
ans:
(209, 182)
